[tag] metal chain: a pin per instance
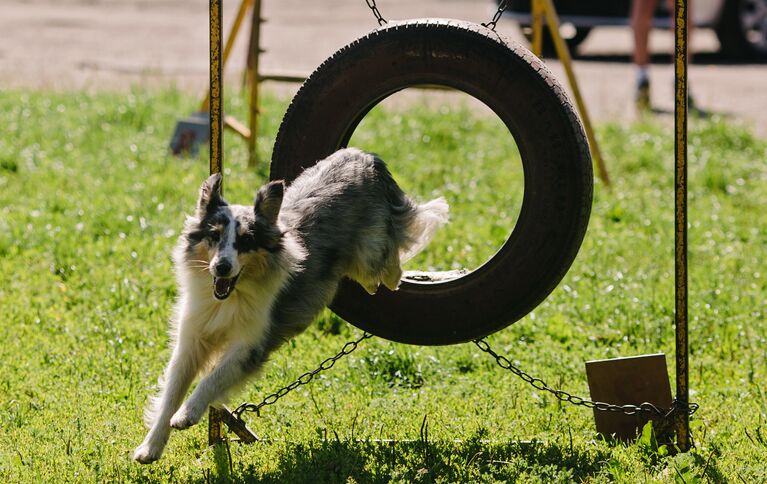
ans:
(501, 7)
(665, 416)
(564, 396)
(491, 24)
(302, 380)
(372, 5)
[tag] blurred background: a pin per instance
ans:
(114, 44)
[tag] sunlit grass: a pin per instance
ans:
(91, 205)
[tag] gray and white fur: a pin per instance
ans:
(252, 277)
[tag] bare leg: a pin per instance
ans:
(641, 22)
(183, 366)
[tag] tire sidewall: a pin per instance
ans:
(556, 164)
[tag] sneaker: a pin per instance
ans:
(642, 96)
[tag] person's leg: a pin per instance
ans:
(641, 23)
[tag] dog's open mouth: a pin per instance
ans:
(223, 286)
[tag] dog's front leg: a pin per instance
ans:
(178, 376)
(235, 365)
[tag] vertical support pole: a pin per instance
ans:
(552, 20)
(215, 431)
(537, 12)
(253, 56)
(216, 151)
(244, 5)
(216, 91)
(680, 237)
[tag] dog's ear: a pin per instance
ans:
(269, 201)
(210, 195)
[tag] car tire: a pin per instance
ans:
(522, 92)
(742, 29)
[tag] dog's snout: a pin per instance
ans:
(223, 268)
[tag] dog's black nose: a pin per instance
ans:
(223, 268)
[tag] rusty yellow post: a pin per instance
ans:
(253, 56)
(564, 55)
(216, 141)
(215, 430)
(229, 43)
(537, 14)
(680, 238)
(216, 90)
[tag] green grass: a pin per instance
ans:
(91, 205)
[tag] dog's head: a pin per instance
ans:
(233, 241)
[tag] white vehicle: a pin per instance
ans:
(741, 25)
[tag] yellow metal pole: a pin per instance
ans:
(537, 13)
(244, 5)
(564, 55)
(253, 56)
(680, 238)
(216, 90)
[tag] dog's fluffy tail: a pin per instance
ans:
(425, 221)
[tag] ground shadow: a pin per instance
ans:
(694, 112)
(332, 461)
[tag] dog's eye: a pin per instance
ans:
(246, 242)
(213, 233)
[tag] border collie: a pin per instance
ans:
(252, 277)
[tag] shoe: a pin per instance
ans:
(691, 104)
(642, 96)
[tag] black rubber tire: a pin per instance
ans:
(732, 35)
(556, 163)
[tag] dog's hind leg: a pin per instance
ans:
(234, 367)
(392, 272)
(184, 365)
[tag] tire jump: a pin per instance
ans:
(558, 178)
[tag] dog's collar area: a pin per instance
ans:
(223, 286)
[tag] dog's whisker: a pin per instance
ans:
(199, 268)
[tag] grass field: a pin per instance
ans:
(90, 209)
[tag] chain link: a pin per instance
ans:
(491, 24)
(497, 16)
(374, 8)
(304, 379)
(537, 383)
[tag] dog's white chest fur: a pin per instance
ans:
(243, 316)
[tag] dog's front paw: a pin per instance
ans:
(185, 417)
(146, 453)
